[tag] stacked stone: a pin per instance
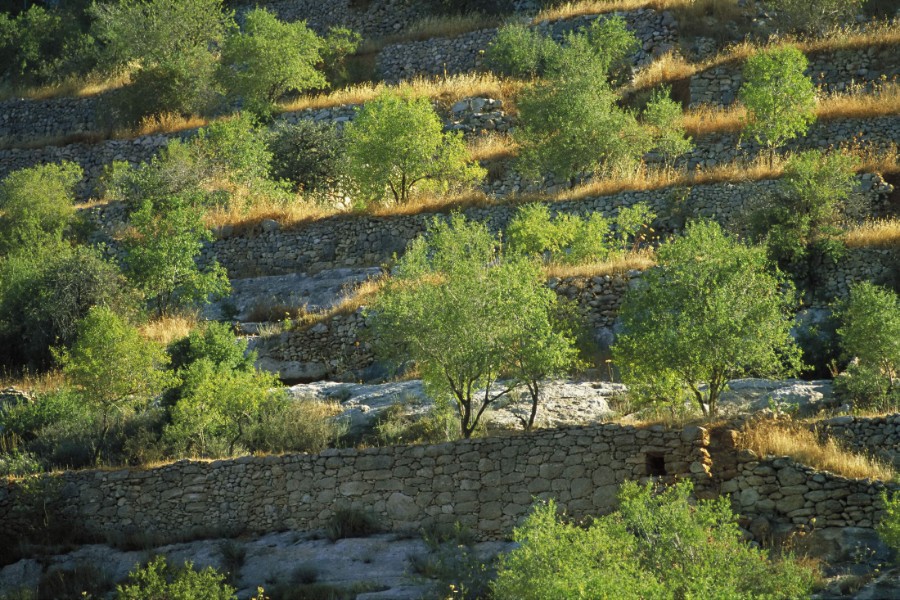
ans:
(876, 436)
(24, 120)
(376, 18)
(485, 484)
(778, 492)
(879, 265)
(832, 71)
(598, 298)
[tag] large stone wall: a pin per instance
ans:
(352, 241)
(656, 31)
(371, 18)
(832, 71)
(877, 436)
(485, 484)
(24, 120)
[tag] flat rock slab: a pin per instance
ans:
(254, 296)
(753, 395)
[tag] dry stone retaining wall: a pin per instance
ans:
(834, 71)
(23, 120)
(372, 18)
(485, 484)
(878, 436)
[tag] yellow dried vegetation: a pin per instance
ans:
(35, 382)
(618, 263)
(166, 329)
(491, 147)
(881, 233)
(797, 441)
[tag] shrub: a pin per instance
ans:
(351, 523)
(339, 43)
(818, 16)
(870, 336)
(307, 154)
(633, 225)
(888, 527)
(663, 115)
(37, 206)
(657, 545)
(290, 425)
(564, 239)
(268, 58)
(160, 581)
(520, 51)
(397, 143)
(710, 312)
(779, 97)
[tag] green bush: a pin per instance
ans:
(870, 337)
(37, 205)
(160, 581)
(664, 116)
(339, 44)
(290, 425)
(520, 51)
(564, 239)
(633, 226)
(268, 58)
(888, 527)
(307, 154)
(351, 523)
(657, 545)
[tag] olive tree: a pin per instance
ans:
(780, 98)
(268, 58)
(397, 144)
(711, 311)
(467, 315)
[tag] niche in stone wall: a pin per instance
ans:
(655, 464)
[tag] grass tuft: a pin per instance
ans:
(620, 263)
(882, 233)
(167, 329)
(796, 441)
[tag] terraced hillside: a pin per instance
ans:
(194, 302)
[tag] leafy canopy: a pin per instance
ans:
(780, 98)
(161, 581)
(36, 206)
(268, 58)
(466, 314)
(710, 312)
(656, 546)
(396, 144)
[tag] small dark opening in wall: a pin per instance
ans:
(656, 463)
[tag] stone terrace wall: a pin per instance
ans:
(22, 120)
(485, 484)
(774, 493)
(833, 71)
(339, 349)
(373, 19)
(878, 436)
(879, 265)
(352, 241)
(657, 32)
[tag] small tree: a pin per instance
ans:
(113, 367)
(571, 126)
(710, 312)
(780, 98)
(870, 337)
(162, 255)
(307, 154)
(37, 206)
(520, 51)
(633, 224)
(564, 239)
(269, 58)
(657, 545)
(456, 306)
(397, 143)
(665, 119)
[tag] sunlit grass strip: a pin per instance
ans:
(618, 264)
(883, 233)
(766, 438)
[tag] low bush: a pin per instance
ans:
(351, 523)
(160, 581)
(564, 239)
(307, 154)
(888, 527)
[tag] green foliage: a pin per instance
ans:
(37, 206)
(467, 314)
(296, 425)
(218, 407)
(611, 42)
(215, 342)
(44, 292)
(172, 42)
(888, 527)
(571, 126)
(160, 581)
(520, 51)
(113, 368)
(162, 255)
(802, 224)
(710, 312)
(233, 150)
(664, 117)
(656, 546)
(870, 336)
(565, 239)
(815, 17)
(780, 98)
(307, 154)
(351, 523)
(633, 225)
(268, 58)
(339, 43)
(397, 144)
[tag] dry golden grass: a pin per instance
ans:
(622, 263)
(493, 146)
(244, 218)
(434, 26)
(433, 203)
(707, 119)
(167, 329)
(594, 7)
(33, 382)
(166, 123)
(72, 88)
(883, 233)
(767, 438)
(447, 89)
